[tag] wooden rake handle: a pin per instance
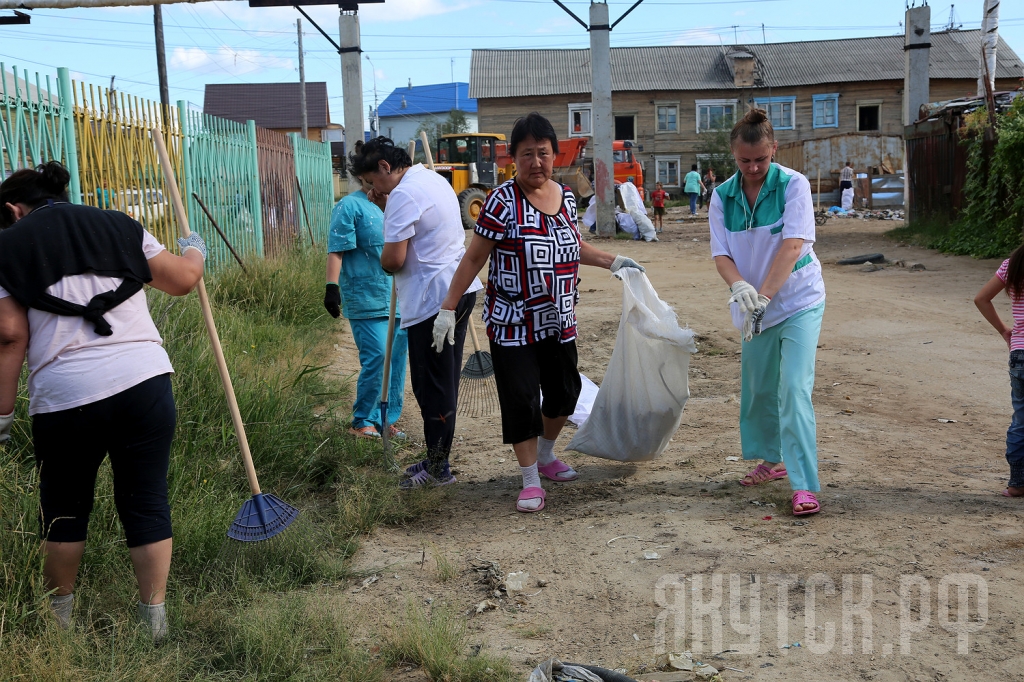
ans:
(211, 327)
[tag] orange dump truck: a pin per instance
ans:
(574, 168)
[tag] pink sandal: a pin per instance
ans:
(763, 474)
(801, 497)
(530, 494)
(551, 471)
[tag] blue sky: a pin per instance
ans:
(427, 41)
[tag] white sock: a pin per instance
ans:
(62, 607)
(531, 479)
(154, 616)
(545, 451)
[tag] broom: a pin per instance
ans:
(478, 393)
(262, 516)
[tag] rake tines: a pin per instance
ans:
(478, 394)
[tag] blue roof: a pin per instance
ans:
(428, 99)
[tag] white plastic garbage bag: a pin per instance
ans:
(590, 215)
(645, 387)
(636, 210)
(847, 199)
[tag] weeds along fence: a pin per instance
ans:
(246, 177)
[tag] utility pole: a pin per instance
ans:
(302, 83)
(602, 121)
(161, 61)
(375, 115)
(916, 47)
(989, 41)
(351, 79)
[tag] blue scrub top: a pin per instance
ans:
(357, 232)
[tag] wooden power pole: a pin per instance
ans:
(302, 83)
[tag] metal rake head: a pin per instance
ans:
(477, 397)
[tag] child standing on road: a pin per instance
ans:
(658, 202)
(1010, 276)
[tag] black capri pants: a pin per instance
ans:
(522, 372)
(135, 427)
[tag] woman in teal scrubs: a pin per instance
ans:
(762, 236)
(358, 287)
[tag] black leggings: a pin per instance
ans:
(435, 382)
(135, 427)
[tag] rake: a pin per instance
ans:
(263, 515)
(478, 393)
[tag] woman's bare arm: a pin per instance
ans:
(13, 342)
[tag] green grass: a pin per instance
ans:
(926, 232)
(274, 619)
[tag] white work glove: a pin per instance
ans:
(444, 327)
(193, 241)
(623, 262)
(5, 426)
(753, 319)
(745, 295)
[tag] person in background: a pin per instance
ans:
(528, 231)
(693, 186)
(357, 285)
(762, 236)
(709, 186)
(103, 196)
(846, 177)
(658, 197)
(99, 379)
(1010, 277)
(423, 244)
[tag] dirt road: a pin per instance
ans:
(906, 499)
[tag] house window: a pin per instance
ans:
(780, 111)
(668, 171)
(826, 110)
(715, 114)
(869, 116)
(579, 120)
(625, 127)
(668, 116)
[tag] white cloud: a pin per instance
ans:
(224, 59)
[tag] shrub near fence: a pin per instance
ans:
(245, 176)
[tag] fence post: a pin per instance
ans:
(186, 161)
(256, 200)
(67, 118)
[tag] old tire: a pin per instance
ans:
(471, 203)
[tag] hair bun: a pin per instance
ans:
(755, 116)
(54, 177)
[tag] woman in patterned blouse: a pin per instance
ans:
(528, 230)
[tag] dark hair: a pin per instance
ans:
(1015, 274)
(693, 167)
(33, 187)
(753, 128)
(366, 157)
(532, 125)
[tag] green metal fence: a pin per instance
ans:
(220, 168)
(33, 123)
(104, 140)
(312, 165)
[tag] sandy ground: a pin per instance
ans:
(907, 500)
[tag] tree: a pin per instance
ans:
(455, 123)
(714, 150)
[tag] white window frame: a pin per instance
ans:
(581, 106)
(766, 102)
(735, 103)
(670, 105)
(658, 160)
(870, 103)
(825, 97)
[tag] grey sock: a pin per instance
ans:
(154, 616)
(62, 607)
(1017, 474)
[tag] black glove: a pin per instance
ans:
(332, 299)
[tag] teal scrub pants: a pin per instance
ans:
(776, 414)
(370, 336)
